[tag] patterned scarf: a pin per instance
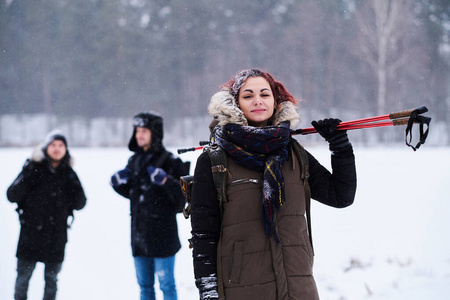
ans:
(262, 149)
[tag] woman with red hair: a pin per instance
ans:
(255, 243)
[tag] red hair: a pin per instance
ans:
(280, 93)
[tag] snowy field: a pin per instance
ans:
(393, 243)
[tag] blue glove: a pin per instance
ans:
(120, 177)
(157, 175)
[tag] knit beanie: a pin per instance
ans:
(53, 136)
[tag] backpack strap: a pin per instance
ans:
(218, 159)
(219, 171)
(300, 152)
(162, 159)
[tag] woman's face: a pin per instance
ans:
(256, 101)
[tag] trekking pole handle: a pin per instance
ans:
(202, 144)
(400, 122)
(407, 113)
(181, 151)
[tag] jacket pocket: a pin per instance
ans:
(241, 194)
(242, 185)
(236, 262)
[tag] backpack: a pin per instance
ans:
(219, 171)
(218, 167)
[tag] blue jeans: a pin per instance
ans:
(25, 269)
(147, 267)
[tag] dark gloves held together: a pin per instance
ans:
(120, 177)
(157, 175)
(338, 140)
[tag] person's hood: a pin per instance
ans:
(152, 121)
(38, 155)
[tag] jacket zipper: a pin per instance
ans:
(244, 180)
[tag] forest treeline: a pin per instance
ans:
(114, 58)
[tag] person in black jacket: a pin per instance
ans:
(151, 182)
(47, 191)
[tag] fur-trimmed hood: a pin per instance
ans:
(38, 155)
(224, 109)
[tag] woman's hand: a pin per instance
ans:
(337, 139)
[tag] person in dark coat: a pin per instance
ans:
(151, 180)
(47, 191)
(256, 245)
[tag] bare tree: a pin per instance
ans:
(382, 26)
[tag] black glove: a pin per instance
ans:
(207, 287)
(338, 139)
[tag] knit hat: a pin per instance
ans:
(53, 136)
(240, 79)
(152, 121)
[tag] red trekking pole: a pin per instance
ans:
(396, 119)
(406, 117)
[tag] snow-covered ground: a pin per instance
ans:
(393, 243)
